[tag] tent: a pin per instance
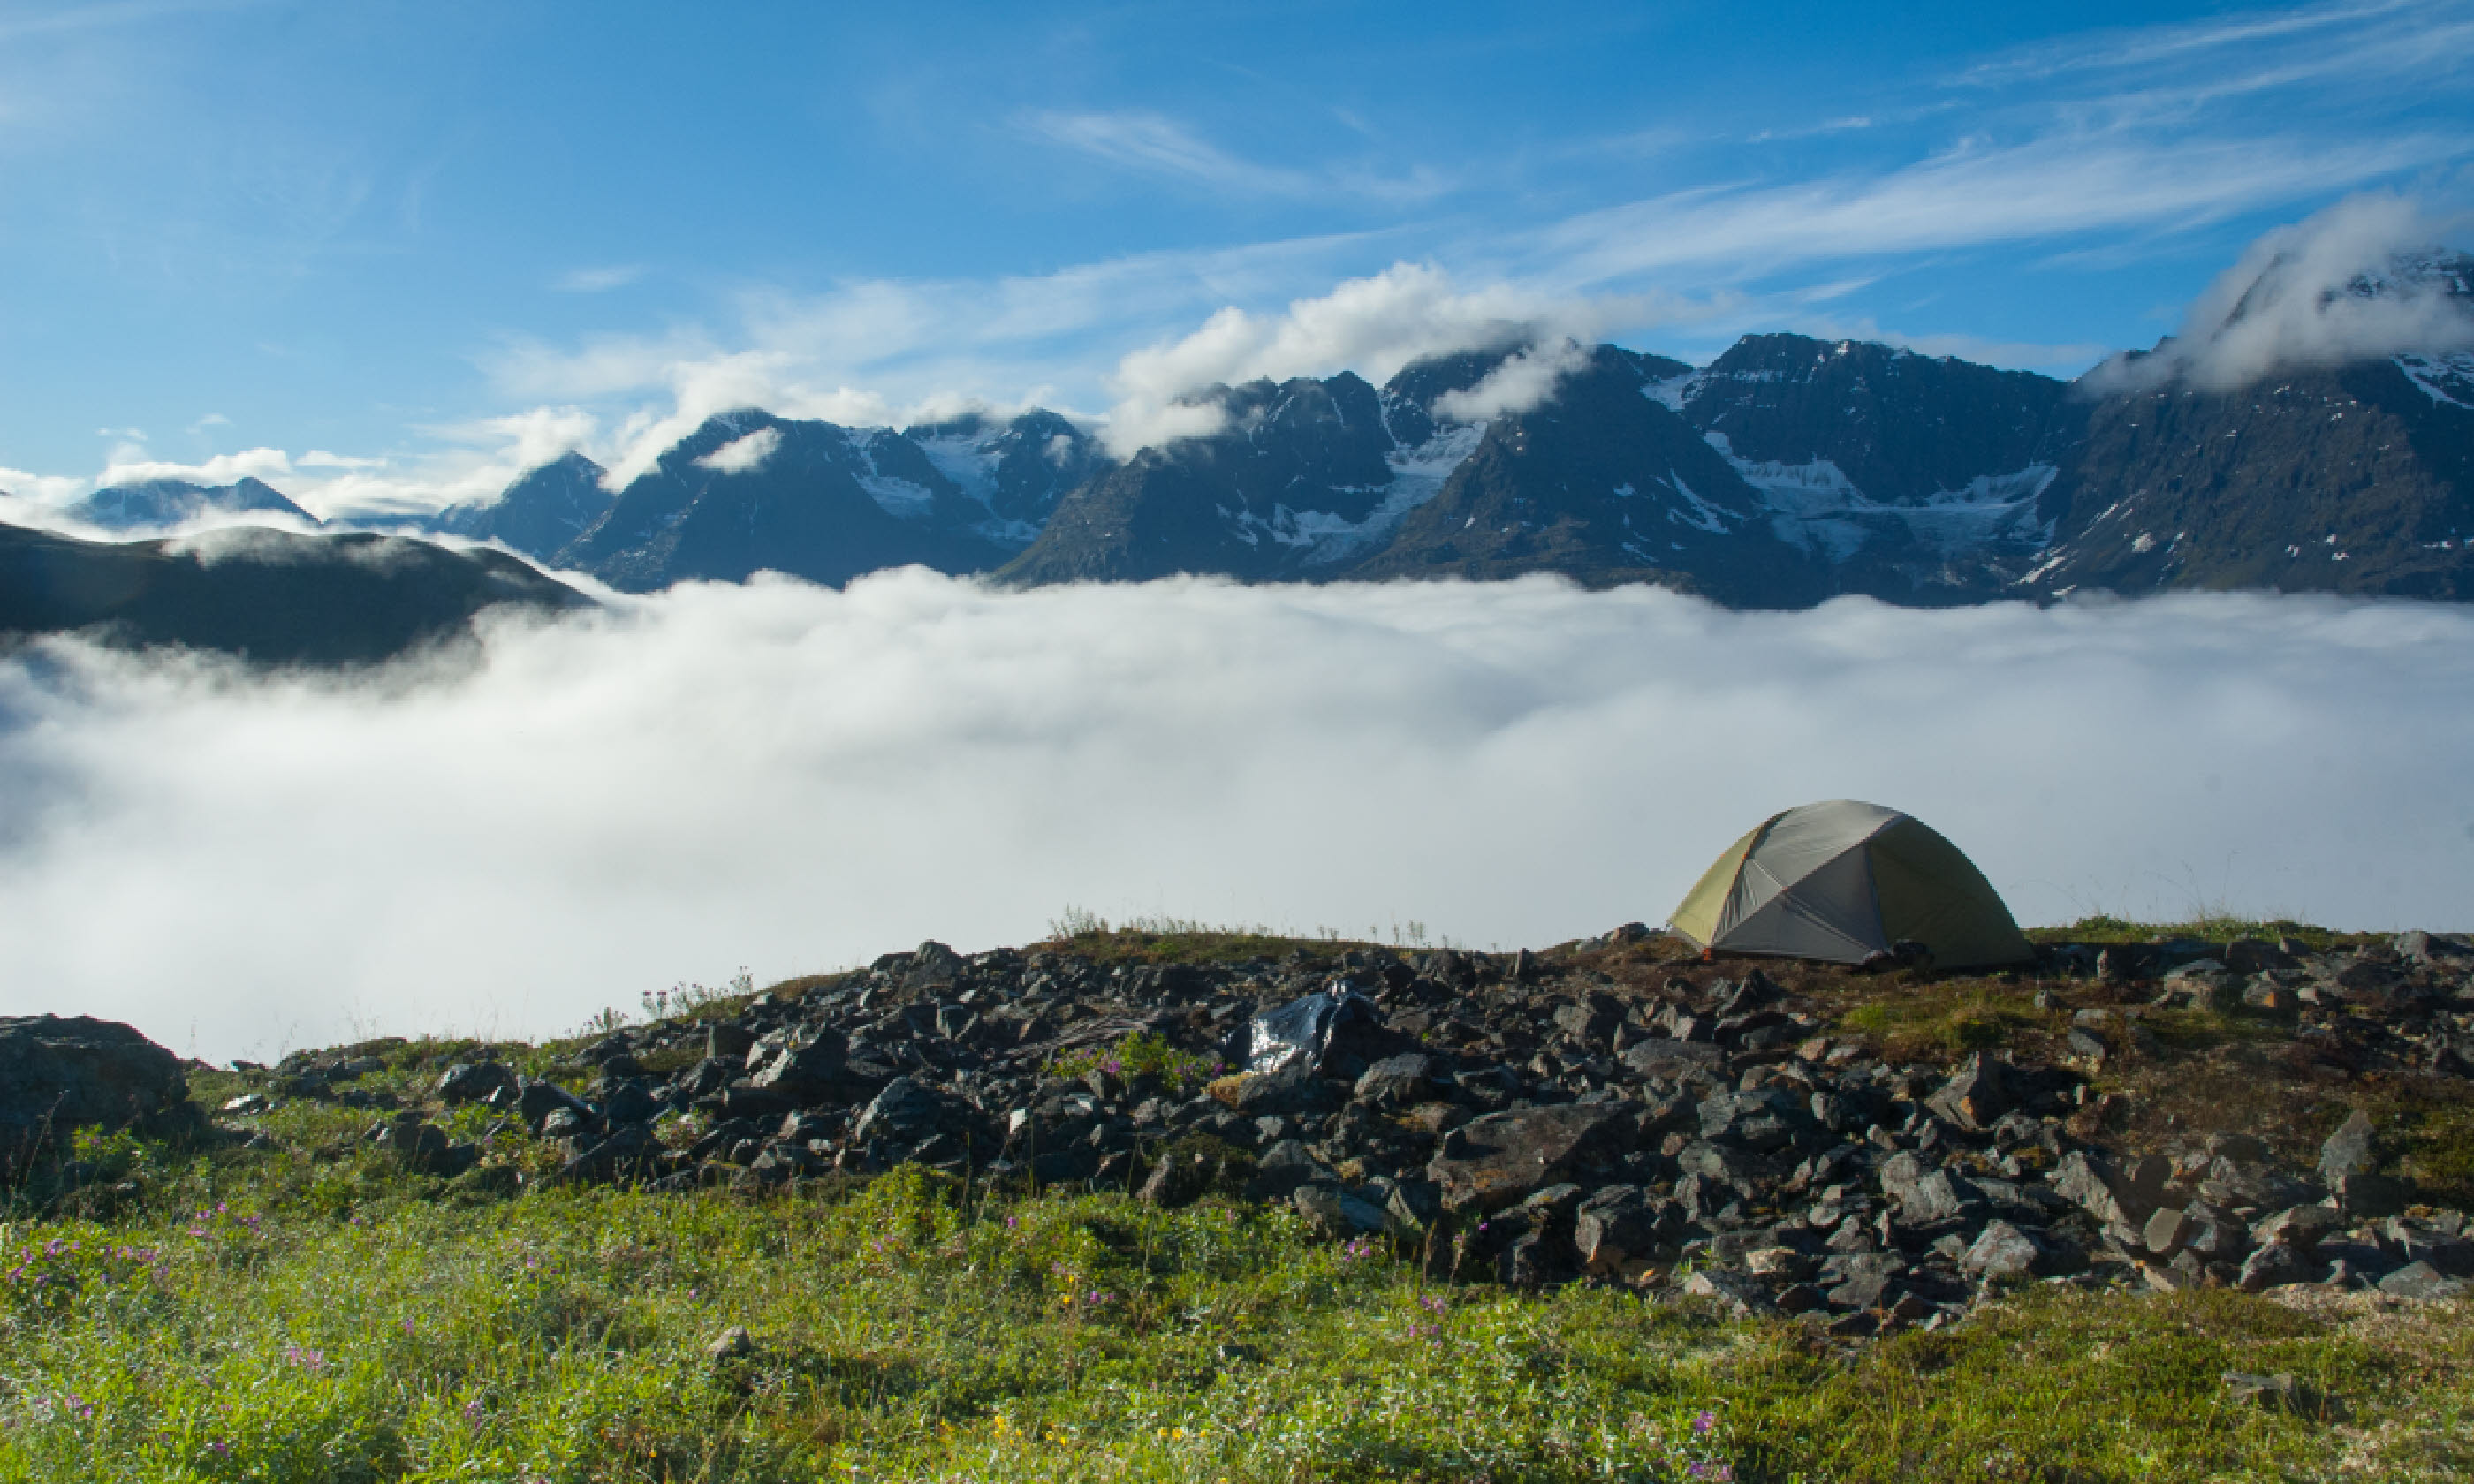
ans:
(1844, 881)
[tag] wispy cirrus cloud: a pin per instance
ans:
(599, 280)
(2340, 33)
(1971, 195)
(1157, 145)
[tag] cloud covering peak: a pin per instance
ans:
(2362, 279)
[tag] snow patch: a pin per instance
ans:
(1701, 515)
(901, 498)
(1815, 507)
(2446, 379)
(1323, 538)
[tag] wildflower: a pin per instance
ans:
(1702, 1424)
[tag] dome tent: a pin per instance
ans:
(1843, 881)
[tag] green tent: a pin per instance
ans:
(1843, 881)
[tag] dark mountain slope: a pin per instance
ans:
(1604, 485)
(819, 504)
(2359, 479)
(540, 513)
(267, 596)
(1294, 480)
(1901, 426)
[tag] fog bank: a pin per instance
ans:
(794, 780)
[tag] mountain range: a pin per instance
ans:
(1784, 472)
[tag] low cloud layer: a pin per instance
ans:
(2339, 286)
(793, 779)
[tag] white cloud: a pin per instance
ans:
(320, 458)
(1161, 146)
(1975, 194)
(223, 469)
(1372, 326)
(212, 419)
(42, 490)
(795, 779)
(599, 281)
(2294, 300)
(1521, 383)
(743, 455)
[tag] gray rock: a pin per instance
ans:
(1977, 1095)
(2301, 1227)
(1737, 1294)
(2276, 1265)
(1621, 1225)
(471, 1082)
(1336, 1213)
(1404, 1081)
(1414, 1205)
(2367, 1195)
(1762, 1119)
(1284, 1167)
(2115, 1195)
(1674, 1058)
(905, 1109)
(1291, 1090)
(2352, 1150)
(1494, 1162)
(61, 1073)
(2003, 1250)
(2421, 1280)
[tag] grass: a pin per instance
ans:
(900, 1331)
(2209, 928)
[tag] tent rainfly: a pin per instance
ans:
(1842, 882)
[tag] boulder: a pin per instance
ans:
(906, 1109)
(2365, 1195)
(2003, 1250)
(2301, 1227)
(1288, 1090)
(2352, 1150)
(2276, 1265)
(2115, 1195)
(1761, 1119)
(1336, 1213)
(473, 1082)
(2420, 1280)
(1404, 1081)
(1737, 1294)
(1494, 1162)
(1674, 1058)
(1620, 1225)
(61, 1073)
(1284, 1167)
(1977, 1095)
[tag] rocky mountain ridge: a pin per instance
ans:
(1786, 471)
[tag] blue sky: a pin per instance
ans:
(386, 254)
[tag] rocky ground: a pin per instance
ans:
(1867, 1153)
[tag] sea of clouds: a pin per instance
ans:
(790, 778)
